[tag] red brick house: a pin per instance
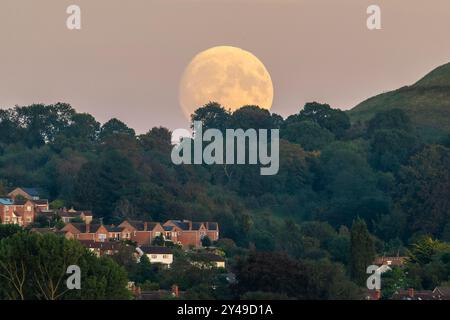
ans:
(188, 233)
(141, 232)
(18, 211)
(83, 231)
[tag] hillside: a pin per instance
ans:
(427, 102)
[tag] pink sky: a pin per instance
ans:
(128, 59)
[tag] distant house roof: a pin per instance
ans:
(156, 250)
(34, 192)
(6, 201)
(140, 225)
(442, 293)
(101, 245)
(114, 229)
(82, 227)
(390, 261)
(189, 225)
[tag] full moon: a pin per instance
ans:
(227, 75)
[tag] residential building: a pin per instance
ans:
(143, 233)
(188, 233)
(72, 214)
(155, 254)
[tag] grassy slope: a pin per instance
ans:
(427, 102)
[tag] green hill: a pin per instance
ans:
(427, 102)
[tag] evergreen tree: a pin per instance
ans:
(362, 251)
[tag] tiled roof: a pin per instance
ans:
(82, 227)
(156, 250)
(34, 192)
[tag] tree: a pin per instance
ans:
(336, 121)
(33, 266)
(424, 188)
(394, 119)
(159, 241)
(310, 135)
(252, 117)
(206, 242)
(362, 251)
(213, 116)
(114, 127)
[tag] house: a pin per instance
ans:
(412, 294)
(101, 248)
(86, 231)
(17, 211)
(141, 232)
(188, 233)
(72, 214)
(27, 193)
(155, 254)
(390, 261)
(441, 293)
(209, 259)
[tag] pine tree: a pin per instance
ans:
(362, 251)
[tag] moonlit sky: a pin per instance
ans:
(128, 59)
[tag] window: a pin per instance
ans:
(165, 256)
(102, 237)
(154, 256)
(28, 208)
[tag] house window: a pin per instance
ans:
(102, 237)
(165, 256)
(28, 208)
(154, 256)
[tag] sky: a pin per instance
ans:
(128, 59)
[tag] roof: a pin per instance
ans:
(140, 225)
(444, 291)
(156, 250)
(394, 261)
(41, 201)
(34, 192)
(114, 229)
(100, 245)
(6, 201)
(82, 227)
(187, 225)
(413, 295)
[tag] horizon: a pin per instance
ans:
(127, 61)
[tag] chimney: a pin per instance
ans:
(175, 291)
(88, 228)
(145, 226)
(378, 294)
(190, 225)
(411, 292)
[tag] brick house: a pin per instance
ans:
(101, 248)
(188, 233)
(142, 232)
(83, 231)
(22, 212)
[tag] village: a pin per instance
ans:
(156, 240)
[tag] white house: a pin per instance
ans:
(161, 255)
